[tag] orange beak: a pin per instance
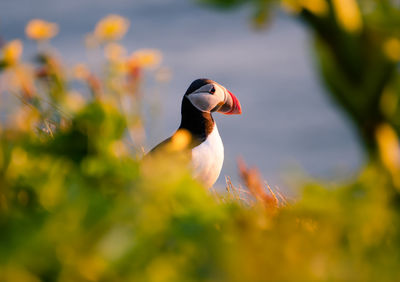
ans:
(231, 106)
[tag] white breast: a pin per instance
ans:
(207, 159)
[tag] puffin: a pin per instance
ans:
(202, 98)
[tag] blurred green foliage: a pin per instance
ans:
(77, 204)
(73, 210)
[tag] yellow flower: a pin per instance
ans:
(145, 58)
(25, 119)
(74, 101)
(112, 27)
(317, 7)
(41, 30)
(22, 79)
(180, 140)
(81, 71)
(114, 52)
(12, 52)
(348, 15)
(388, 145)
(391, 48)
(118, 149)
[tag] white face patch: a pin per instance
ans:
(205, 101)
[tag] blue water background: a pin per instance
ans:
(288, 124)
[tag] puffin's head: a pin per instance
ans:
(208, 96)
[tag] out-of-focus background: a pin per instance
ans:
(288, 123)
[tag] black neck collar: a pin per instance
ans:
(199, 124)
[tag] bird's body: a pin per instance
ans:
(203, 97)
(207, 158)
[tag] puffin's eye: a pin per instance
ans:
(212, 91)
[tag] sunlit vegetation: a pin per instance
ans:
(78, 204)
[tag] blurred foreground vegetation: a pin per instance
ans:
(77, 204)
